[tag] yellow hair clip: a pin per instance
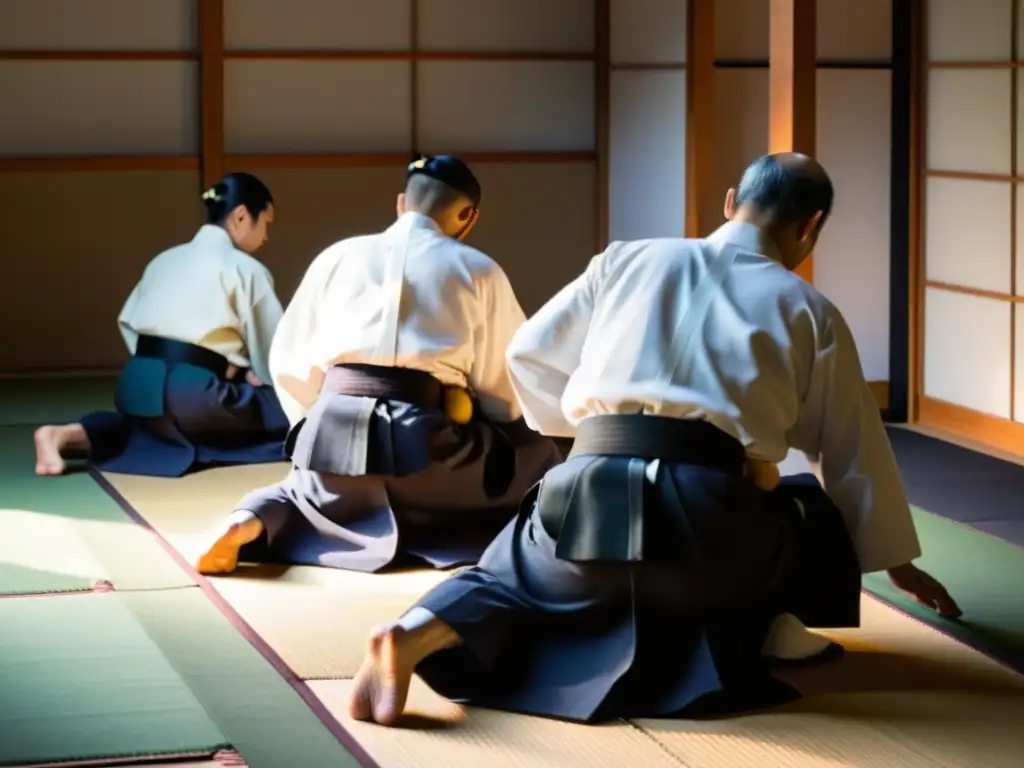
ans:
(210, 194)
(418, 164)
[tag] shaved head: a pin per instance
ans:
(786, 188)
(789, 197)
(433, 198)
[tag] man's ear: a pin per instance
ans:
(807, 230)
(469, 225)
(729, 209)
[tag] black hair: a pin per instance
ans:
(431, 197)
(785, 190)
(234, 190)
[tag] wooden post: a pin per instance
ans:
(792, 75)
(700, 111)
(602, 117)
(211, 89)
(414, 75)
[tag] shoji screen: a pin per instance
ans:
(972, 326)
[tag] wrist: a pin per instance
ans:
(901, 570)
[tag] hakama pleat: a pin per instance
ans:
(190, 419)
(407, 484)
(594, 641)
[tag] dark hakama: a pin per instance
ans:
(380, 474)
(629, 587)
(177, 412)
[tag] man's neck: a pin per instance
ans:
(746, 232)
(419, 219)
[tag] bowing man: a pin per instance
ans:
(196, 391)
(390, 363)
(646, 576)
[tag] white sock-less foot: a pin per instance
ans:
(789, 640)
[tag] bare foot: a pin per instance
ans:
(222, 556)
(52, 442)
(48, 458)
(382, 683)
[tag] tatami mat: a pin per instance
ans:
(133, 763)
(82, 679)
(64, 534)
(904, 696)
(51, 553)
(316, 619)
(263, 717)
(54, 401)
(441, 734)
(184, 510)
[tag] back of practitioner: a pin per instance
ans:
(196, 391)
(647, 576)
(390, 362)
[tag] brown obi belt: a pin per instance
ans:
(596, 511)
(421, 389)
(173, 351)
(405, 385)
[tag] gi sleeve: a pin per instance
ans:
(260, 324)
(488, 375)
(546, 351)
(840, 428)
(296, 380)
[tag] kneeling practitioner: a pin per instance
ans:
(196, 391)
(390, 361)
(647, 576)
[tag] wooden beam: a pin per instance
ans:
(98, 164)
(984, 428)
(211, 90)
(602, 116)
(26, 54)
(880, 389)
(700, 111)
(792, 73)
(1014, 195)
(918, 166)
(239, 162)
(649, 66)
(414, 75)
(326, 55)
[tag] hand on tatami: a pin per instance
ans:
(926, 589)
(253, 379)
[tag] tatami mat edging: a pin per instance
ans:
(336, 730)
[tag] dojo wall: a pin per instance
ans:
(114, 111)
(971, 282)
(647, 119)
(647, 185)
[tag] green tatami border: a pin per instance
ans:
(982, 573)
